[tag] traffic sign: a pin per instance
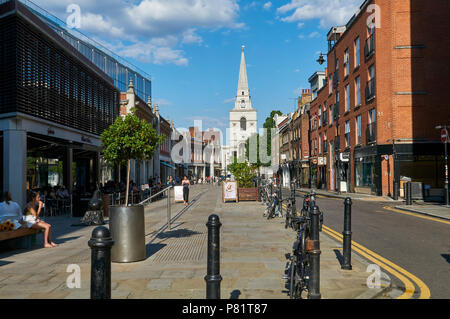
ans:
(444, 135)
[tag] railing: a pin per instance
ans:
(371, 133)
(336, 111)
(336, 78)
(370, 90)
(369, 47)
(337, 142)
(169, 210)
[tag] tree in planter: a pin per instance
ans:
(129, 138)
(243, 174)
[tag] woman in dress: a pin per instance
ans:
(31, 218)
(185, 183)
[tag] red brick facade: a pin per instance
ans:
(402, 98)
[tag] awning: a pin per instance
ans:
(166, 164)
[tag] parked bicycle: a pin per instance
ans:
(298, 269)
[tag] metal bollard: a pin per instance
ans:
(314, 279)
(408, 193)
(395, 197)
(213, 277)
(101, 243)
(347, 233)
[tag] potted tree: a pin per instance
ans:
(128, 138)
(245, 178)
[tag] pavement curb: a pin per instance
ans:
(420, 212)
(370, 293)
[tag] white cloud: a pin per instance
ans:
(329, 12)
(267, 5)
(300, 25)
(189, 37)
(162, 102)
(314, 34)
(229, 100)
(159, 26)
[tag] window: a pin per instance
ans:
(320, 116)
(242, 92)
(331, 83)
(372, 116)
(358, 129)
(347, 98)
(331, 114)
(357, 52)
(243, 124)
(371, 72)
(346, 63)
(358, 91)
(320, 143)
(347, 133)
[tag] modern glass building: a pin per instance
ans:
(57, 95)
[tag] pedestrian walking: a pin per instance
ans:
(185, 183)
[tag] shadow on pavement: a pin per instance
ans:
(446, 257)
(177, 233)
(151, 249)
(235, 294)
(339, 256)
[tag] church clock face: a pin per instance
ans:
(243, 104)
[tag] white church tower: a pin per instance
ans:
(243, 117)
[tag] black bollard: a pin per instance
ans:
(213, 277)
(408, 193)
(347, 233)
(314, 279)
(395, 197)
(101, 243)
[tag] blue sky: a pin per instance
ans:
(191, 48)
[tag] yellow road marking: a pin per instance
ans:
(386, 264)
(417, 215)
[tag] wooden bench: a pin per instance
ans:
(27, 236)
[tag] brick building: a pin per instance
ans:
(300, 140)
(374, 120)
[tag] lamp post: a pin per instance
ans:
(395, 182)
(444, 138)
(321, 59)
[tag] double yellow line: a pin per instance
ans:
(403, 275)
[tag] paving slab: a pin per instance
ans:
(252, 257)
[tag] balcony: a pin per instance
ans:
(370, 90)
(336, 111)
(371, 133)
(336, 78)
(337, 142)
(369, 48)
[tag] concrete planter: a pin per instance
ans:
(250, 194)
(127, 227)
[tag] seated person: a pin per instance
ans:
(31, 218)
(10, 208)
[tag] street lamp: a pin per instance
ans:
(321, 59)
(396, 184)
(444, 138)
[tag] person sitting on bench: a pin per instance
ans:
(31, 218)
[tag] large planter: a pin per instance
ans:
(127, 227)
(250, 194)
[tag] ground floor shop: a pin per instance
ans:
(374, 169)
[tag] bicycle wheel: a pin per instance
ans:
(292, 281)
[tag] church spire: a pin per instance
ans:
(243, 95)
(243, 82)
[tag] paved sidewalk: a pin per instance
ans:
(435, 210)
(252, 258)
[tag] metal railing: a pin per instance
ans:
(370, 89)
(169, 209)
(369, 47)
(371, 133)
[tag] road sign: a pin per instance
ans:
(444, 135)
